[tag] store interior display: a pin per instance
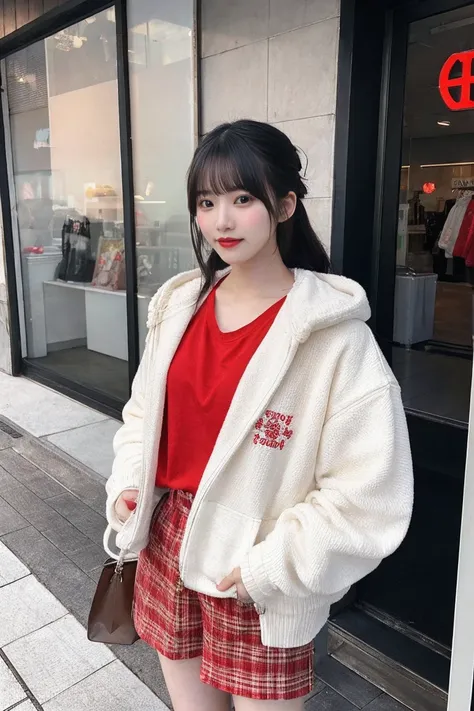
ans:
(63, 114)
(77, 263)
(109, 272)
(434, 297)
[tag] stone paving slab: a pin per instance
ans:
(348, 684)
(80, 515)
(39, 410)
(89, 558)
(31, 507)
(25, 706)
(10, 519)
(55, 657)
(112, 688)
(11, 691)
(91, 445)
(33, 478)
(11, 568)
(329, 700)
(89, 487)
(26, 606)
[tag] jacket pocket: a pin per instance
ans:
(219, 540)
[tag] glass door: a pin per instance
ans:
(62, 95)
(426, 254)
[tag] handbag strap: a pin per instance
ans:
(123, 556)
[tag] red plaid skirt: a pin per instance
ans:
(182, 624)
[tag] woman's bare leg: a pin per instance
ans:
(186, 689)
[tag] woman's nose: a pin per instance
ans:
(224, 219)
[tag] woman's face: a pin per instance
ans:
(236, 225)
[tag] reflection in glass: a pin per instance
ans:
(63, 104)
(162, 102)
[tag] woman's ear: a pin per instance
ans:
(288, 206)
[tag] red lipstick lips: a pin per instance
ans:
(229, 242)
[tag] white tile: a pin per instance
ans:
(39, 410)
(315, 136)
(11, 568)
(10, 690)
(234, 85)
(286, 16)
(91, 445)
(57, 656)
(302, 72)
(227, 25)
(320, 215)
(25, 706)
(113, 688)
(26, 606)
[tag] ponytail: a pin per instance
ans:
(299, 245)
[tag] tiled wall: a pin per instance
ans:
(276, 61)
(5, 357)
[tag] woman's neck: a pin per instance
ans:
(266, 278)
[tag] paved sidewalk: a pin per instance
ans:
(54, 455)
(46, 661)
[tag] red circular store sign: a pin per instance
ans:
(465, 81)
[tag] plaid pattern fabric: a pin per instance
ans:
(181, 624)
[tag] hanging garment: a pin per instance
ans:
(450, 231)
(464, 246)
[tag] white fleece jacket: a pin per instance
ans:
(309, 485)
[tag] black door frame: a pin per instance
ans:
(46, 25)
(368, 150)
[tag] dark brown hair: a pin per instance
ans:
(260, 159)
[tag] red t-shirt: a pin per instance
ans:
(202, 379)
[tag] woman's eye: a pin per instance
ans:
(205, 203)
(243, 199)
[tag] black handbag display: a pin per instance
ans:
(77, 263)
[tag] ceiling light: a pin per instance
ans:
(443, 165)
(443, 123)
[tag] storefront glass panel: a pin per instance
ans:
(433, 327)
(162, 86)
(64, 123)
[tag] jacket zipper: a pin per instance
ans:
(197, 504)
(144, 475)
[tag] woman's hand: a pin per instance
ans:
(235, 578)
(126, 504)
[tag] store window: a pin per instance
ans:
(161, 62)
(63, 106)
(433, 329)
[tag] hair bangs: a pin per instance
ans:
(226, 165)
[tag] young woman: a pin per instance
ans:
(264, 450)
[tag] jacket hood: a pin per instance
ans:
(319, 301)
(315, 302)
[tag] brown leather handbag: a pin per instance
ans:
(111, 616)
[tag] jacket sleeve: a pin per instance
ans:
(128, 446)
(357, 514)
